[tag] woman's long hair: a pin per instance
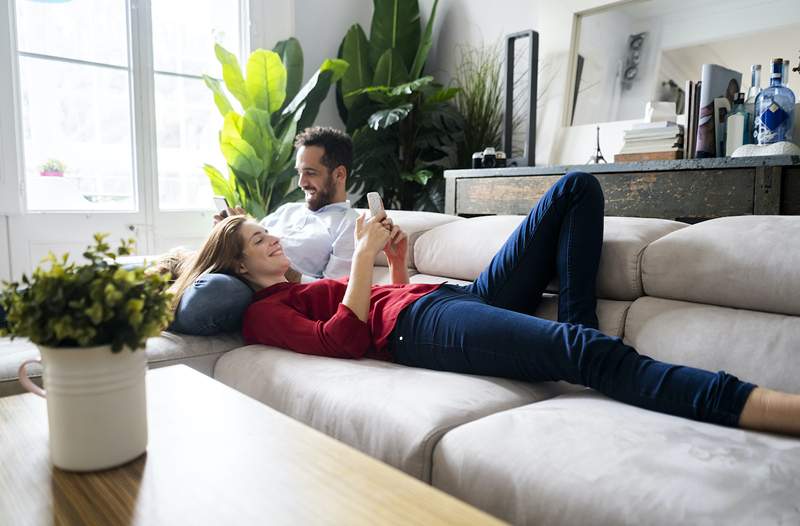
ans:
(221, 253)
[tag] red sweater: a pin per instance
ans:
(309, 318)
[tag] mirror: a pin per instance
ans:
(519, 117)
(631, 53)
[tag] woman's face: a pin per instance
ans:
(262, 255)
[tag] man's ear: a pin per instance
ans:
(340, 173)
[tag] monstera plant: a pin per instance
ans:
(258, 141)
(405, 130)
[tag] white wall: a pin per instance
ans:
(320, 26)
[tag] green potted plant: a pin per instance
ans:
(405, 130)
(258, 141)
(90, 322)
(52, 168)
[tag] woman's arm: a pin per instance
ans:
(396, 250)
(371, 236)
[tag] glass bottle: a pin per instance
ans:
(737, 126)
(774, 108)
(750, 98)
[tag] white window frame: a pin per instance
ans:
(263, 23)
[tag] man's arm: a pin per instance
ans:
(342, 248)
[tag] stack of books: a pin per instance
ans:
(651, 141)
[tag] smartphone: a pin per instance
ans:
(221, 203)
(375, 203)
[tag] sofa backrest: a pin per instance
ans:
(747, 262)
(414, 224)
(462, 249)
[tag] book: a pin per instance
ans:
(652, 134)
(665, 147)
(648, 125)
(695, 117)
(717, 81)
(721, 109)
(687, 109)
(648, 156)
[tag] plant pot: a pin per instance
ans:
(51, 173)
(96, 405)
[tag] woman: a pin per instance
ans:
(487, 327)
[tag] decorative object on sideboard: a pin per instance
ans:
(757, 150)
(774, 108)
(521, 88)
(598, 155)
(658, 137)
(717, 82)
(90, 322)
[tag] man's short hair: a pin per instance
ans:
(338, 146)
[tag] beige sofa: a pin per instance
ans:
(723, 294)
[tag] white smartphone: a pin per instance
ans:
(221, 203)
(375, 203)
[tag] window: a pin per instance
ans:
(84, 140)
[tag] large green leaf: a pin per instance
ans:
(395, 25)
(220, 99)
(292, 57)
(385, 118)
(266, 80)
(314, 92)
(355, 50)
(390, 70)
(257, 131)
(424, 45)
(220, 185)
(242, 159)
(232, 75)
(286, 141)
(231, 126)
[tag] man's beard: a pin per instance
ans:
(323, 196)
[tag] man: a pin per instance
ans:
(316, 236)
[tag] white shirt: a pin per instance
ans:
(318, 243)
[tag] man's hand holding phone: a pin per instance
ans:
(224, 209)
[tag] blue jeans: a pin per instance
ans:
(487, 328)
(214, 303)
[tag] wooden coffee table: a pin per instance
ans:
(215, 456)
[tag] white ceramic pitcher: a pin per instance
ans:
(96, 405)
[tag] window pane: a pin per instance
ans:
(184, 33)
(91, 30)
(187, 124)
(76, 116)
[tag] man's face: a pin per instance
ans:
(316, 180)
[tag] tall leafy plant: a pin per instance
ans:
(258, 140)
(480, 100)
(405, 130)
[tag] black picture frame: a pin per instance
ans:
(528, 158)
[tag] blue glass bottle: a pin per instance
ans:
(774, 108)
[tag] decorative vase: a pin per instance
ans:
(51, 173)
(96, 405)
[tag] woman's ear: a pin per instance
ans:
(241, 269)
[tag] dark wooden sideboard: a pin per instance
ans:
(686, 190)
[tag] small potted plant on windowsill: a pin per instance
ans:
(90, 322)
(52, 168)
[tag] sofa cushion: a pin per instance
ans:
(463, 249)
(758, 347)
(750, 262)
(585, 459)
(198, 352)
(414, 224)
(391, 412)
